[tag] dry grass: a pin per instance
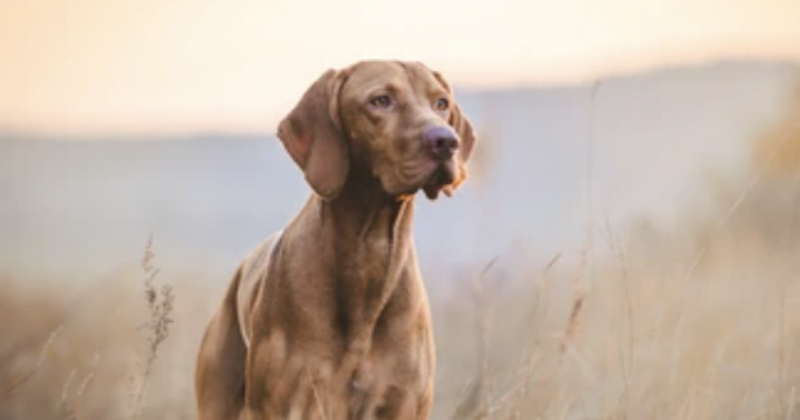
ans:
(92, 357)
(698, 322)
(715, 337)
(721, 345)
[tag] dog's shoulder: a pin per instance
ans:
(258, 259)
(253, 269)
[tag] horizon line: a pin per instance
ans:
(154, 133)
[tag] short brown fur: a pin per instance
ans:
(329, 318)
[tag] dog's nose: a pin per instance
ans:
(441, 140)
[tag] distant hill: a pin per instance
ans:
(76, 208)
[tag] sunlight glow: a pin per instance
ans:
(154, 66)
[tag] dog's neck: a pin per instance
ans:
(371, 235)
(363, 209)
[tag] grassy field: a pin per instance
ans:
(700, 320)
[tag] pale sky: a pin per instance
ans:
(182, 66)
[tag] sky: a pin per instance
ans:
(98, 67)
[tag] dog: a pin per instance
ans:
(328, 318)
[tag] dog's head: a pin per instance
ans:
(396, 120)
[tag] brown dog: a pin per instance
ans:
(329, 318)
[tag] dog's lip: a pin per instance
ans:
(447, 171)
(444, 173)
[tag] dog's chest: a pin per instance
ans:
(372, 259)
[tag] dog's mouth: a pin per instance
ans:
(443, 174)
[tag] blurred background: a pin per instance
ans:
(626, 245)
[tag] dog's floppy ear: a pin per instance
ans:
(466, 133)
(313, 137)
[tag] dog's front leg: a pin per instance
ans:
(263, 379)
(280, 385)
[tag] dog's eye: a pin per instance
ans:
(382, 101)
(442, 104)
